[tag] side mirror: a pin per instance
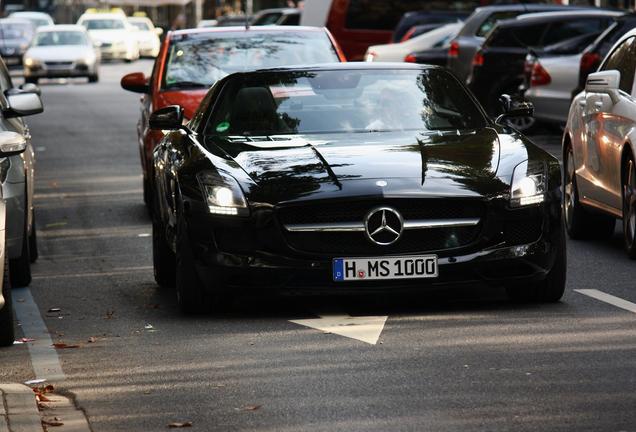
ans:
(135, 82)
(604, 82)
(159, 31)
(23, 104)
(168, 118)
(11, 144)
(514, 108)
(30, 88)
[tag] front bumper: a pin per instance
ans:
(65, 70)
(114, 53)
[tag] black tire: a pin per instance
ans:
(33, 241)
(549, 290)
(21, 267)
(163, 259)
(629, 207)
(31, 80)
(579, 222)
(93, 78)
(7, 333)
(191, 295)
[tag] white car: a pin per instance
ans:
(599, 150)
(39, 19)
(398, 51)
(114, 35)
(147, 36)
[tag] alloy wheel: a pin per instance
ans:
(569, 188)
(629, 206)
(521, 123)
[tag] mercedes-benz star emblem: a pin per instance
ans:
(383, 226)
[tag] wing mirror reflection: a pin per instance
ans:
(168, 118)
(514, 107)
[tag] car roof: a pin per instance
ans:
(102, 16)
(274, 10)
(138, 18)
(62, 27)
(524, 6)
(548, 17)
(346, 66)
(272, 28)
(29, 13)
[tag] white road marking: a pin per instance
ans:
(44, 359)
(608, 298)
(366, 329)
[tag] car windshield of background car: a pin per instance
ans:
(351, 101)
(15, 31)
(140, 25)
(201, 61)
(104, 24)
(60, 38)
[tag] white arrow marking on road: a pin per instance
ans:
(608, 298)
(366, 329)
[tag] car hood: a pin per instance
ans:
(58, 53)
(109, 36)
(189, 100)
(457, 164)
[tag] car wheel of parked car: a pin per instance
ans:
(629, 207)
(550, 289)
(31, 80)
(163, 259)
(190, 290)
(21, 266)
(93, 78)
(33, 241)
(579, 222)
(7, 334)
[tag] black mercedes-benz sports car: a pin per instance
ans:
(351, 178)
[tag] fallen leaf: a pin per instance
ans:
(65, 346)
(92, 339)
(109, 314)
(52, 423)
(54, 310)
(35, 381)
(180, 424)
(251, 408)
(25, 340)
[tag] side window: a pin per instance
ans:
(561, 31)
(622, 59)
(516, 37)
(490, 22)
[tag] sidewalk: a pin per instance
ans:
(19, 412)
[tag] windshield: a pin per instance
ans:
(103, 24)
(60, 38)
(16, 30)
(201, 60)
(140, 25)
(344, 101)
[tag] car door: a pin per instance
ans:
(606, 127)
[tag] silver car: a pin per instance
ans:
(61, 51)
(11, 144)
(16, 177)
(599, 150)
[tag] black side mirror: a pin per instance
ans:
(11, 144)
(22, 104)
(514, 107)
(168, 118)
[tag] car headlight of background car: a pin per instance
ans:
(30, 62)
(222, 194)
(528, 184)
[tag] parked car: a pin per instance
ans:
(39, 19)
(463, 48)
(193, 60)
(147, 36)
(277, 16)
(61, 51)
(115, 36)
(595, 53)
(411, 20)
(17, 177)
(274, 188)
(599, 149)
(15, 37)
(398, 51)
(498, 66)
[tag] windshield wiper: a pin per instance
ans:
(187, 84)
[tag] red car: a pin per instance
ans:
(191, 61)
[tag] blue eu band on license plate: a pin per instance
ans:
(385, 268)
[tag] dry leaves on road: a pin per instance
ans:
(62, 345)
(250, 408)
(55, 421)
(180, 424)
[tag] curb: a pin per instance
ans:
(20, 411)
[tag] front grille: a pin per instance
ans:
(58, 63)
(523, 231)
(356, 243)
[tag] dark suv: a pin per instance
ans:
(498, 67)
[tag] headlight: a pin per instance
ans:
(528, 184)
(30, 62)
(222, 194)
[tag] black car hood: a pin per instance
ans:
(452, 164)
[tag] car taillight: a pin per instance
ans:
(408, 35)
(539, 75)
(410, 59)
(589, 62)
(453, 50)
(478, 60)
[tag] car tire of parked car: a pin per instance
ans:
(191, 296)
(7, 334)
(93, 78)
(33, 241)
(31, 80)
(21, 266)
(163, 259)
(629, 206)
(550, 289)
(579, 222)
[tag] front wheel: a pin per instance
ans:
(93, 78)
(629, 207)
(21, 266)
(190, 291)
(33, 241)
(163, 259)
(7, 334)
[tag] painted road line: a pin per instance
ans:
(608, 298)
(365, 329)
(46, 363)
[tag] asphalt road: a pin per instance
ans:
(457, 361)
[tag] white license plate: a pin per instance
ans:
(385, 268)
